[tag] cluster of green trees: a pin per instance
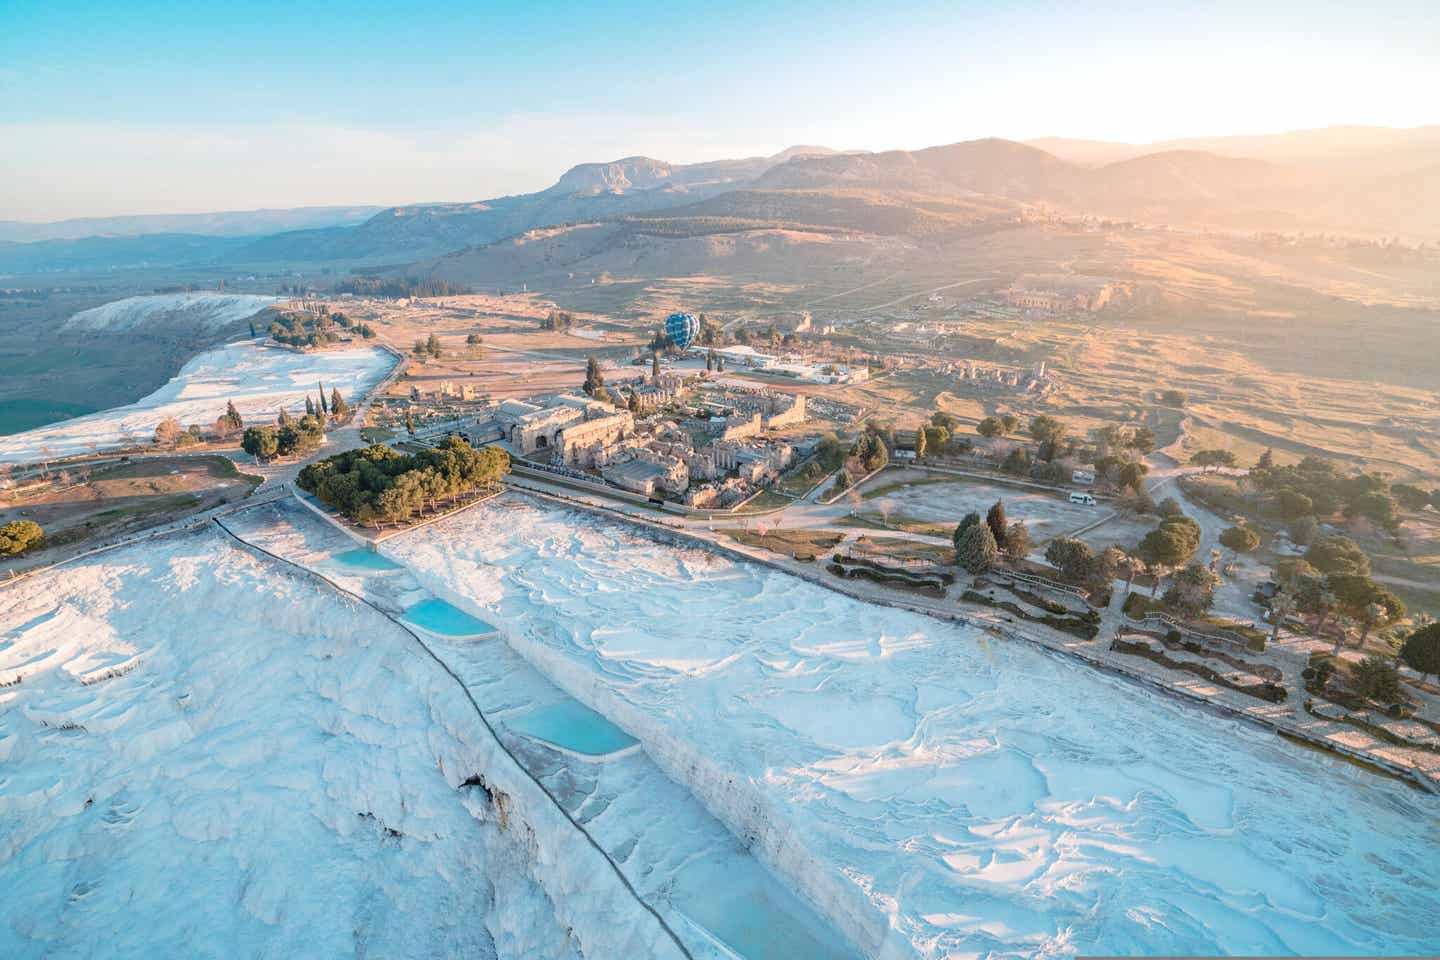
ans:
(869, 451)
(287, 437)
(307, 329)
(429, 347)
(376, 484)
(1001, 426)
(1080, 565)
(404, 287)
(1316, 488)
(557, 320)
(1210, 459)
(1412, 497)
(940, 436)
(18, 536)
(1332, 582)
(866, 454)
(1173, 542)
(1192, 590)
(980, 543)
(169, 433)
(1115, 452)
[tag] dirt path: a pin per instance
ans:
(921, 293)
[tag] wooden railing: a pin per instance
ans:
(1047, 583)
(1223, 637)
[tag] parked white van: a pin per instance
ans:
(1082, 498)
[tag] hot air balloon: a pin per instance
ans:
(681, 329)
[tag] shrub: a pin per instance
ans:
(18, 536)
(1376, 679)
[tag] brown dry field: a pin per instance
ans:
(1299, 347)
(123, 497)
(516, 359)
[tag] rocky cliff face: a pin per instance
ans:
(618, 176)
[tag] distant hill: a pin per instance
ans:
(238, 223)
(1378, 149)
(1343, 180)
(1000, 168)
(1383, 184)
(112, 253)
(589, 191)
(870, 211)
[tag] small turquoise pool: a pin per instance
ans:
(437, 616)
(759, 921)
(362, 559)
(574, 727)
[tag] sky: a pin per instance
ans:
(145, 107)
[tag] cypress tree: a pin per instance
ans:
(995, 520)
(594, 379)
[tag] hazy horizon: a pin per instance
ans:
(272, 107)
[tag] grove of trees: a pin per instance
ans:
(400, 287)
(286, 438)
(376, 484)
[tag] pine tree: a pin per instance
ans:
(323, 408)
(233, 415)
(337, 403)
(409, 422)
(309, 406)
(969, 520)
(976, 550)
(284, 418)
(920, 444)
